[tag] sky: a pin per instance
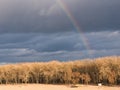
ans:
(45, 30)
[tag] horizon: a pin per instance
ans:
(42, 30)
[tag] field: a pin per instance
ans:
(54, 87)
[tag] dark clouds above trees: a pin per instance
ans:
(41, 30)
(64, 46)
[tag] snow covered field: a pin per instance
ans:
(54, 87)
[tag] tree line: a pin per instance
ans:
(92, 71)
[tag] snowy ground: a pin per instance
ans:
(54, 87)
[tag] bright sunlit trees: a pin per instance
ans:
(104, 70)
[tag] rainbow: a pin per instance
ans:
(84, 39)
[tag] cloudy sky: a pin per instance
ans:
(44, 30)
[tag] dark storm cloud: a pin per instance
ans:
(47, 15)
(98, 15)
(60, 46)
(41, 30)
(40, 42)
